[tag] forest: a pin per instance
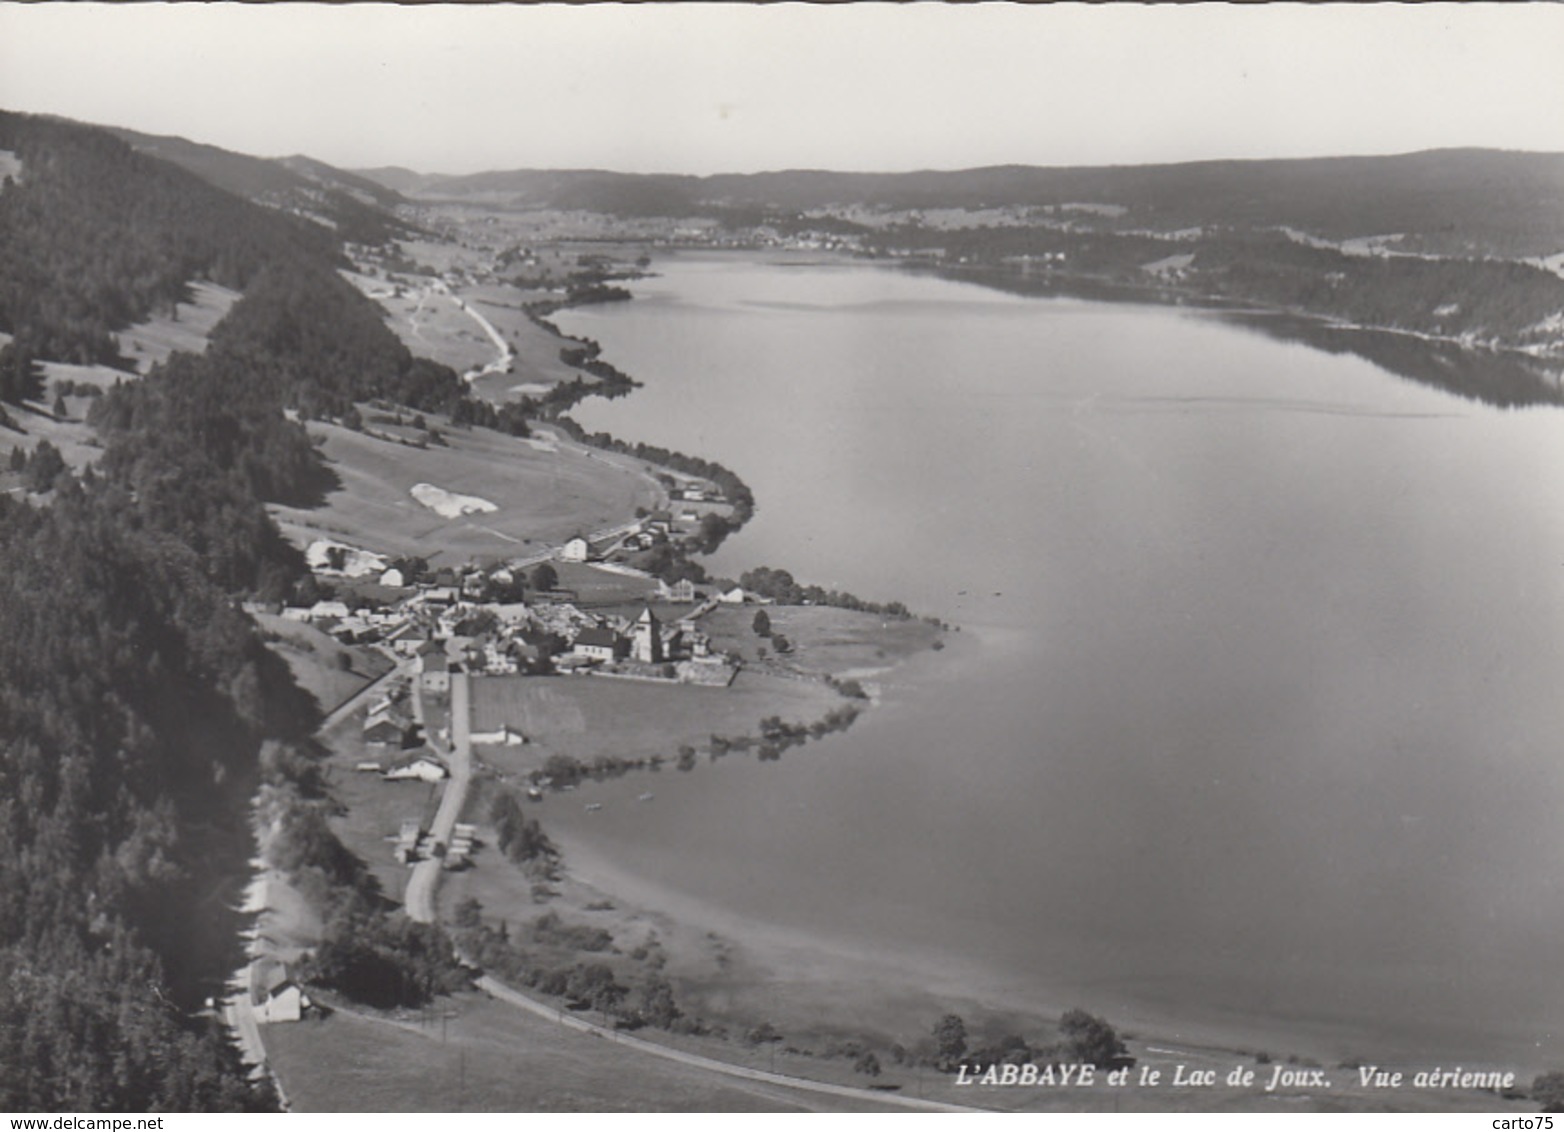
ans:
(135, 698)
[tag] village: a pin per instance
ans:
(507, 621)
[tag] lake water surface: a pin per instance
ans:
(1266, 719)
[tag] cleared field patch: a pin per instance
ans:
(823, 639)
(596, 588)
(543, 494)
(317, 660)
(145, 344)
(432, 326)
(77, 443)
(185, 329)
(591, 716)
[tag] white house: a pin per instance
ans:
(506, 736)
(434, 668)
(598, 644)
(735, 596)
(681, 591)
(327, 610)
(393, 578)
(274, 996)
(575, 549)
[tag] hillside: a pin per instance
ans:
(140, 710)
(356, 208)
(1455, 201)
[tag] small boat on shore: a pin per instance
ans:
(647, 797)
(593, 807)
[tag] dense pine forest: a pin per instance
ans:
(135, 699)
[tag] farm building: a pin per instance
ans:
(599, 644)
(274, 996)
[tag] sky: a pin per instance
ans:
(703, 88)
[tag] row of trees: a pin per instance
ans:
(781, 587)
(1082, 1039)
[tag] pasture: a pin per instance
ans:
(145, 344)
(185, 329)
(544, 493)
(536, 348)
(314, 659)
(431, 325)
(840, 642)
(591, 716)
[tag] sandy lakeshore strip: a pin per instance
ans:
(801, 982)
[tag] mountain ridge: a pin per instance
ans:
(1506, 202)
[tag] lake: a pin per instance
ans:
(1253, 721)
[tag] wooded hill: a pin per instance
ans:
(137, 703)
(1452, 201)
(356, 208)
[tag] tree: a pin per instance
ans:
(44, 467)
(60, 409)
(762, 623)
(867, 1064)
(1548, 1090)
(1088, 1038)
(469, 913)
(545, 577)
(656, 1004)
(21, 378)
(18, 458)
(950, 1041)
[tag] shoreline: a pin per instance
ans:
(897, 995)
(833, 964)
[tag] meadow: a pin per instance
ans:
(587, 717)
(545, 492)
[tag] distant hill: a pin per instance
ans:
(359, 209)
(399, 179)
(1457, 201)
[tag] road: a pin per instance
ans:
(570, 1021)
(419, 899)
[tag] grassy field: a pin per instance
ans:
(588, 716)
(312, 657)
(469, 1053)
(544, 496)
(841, 642)
(434, 327)
(150, 342)
(600, 588)
(537, 350)
(144, 344)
